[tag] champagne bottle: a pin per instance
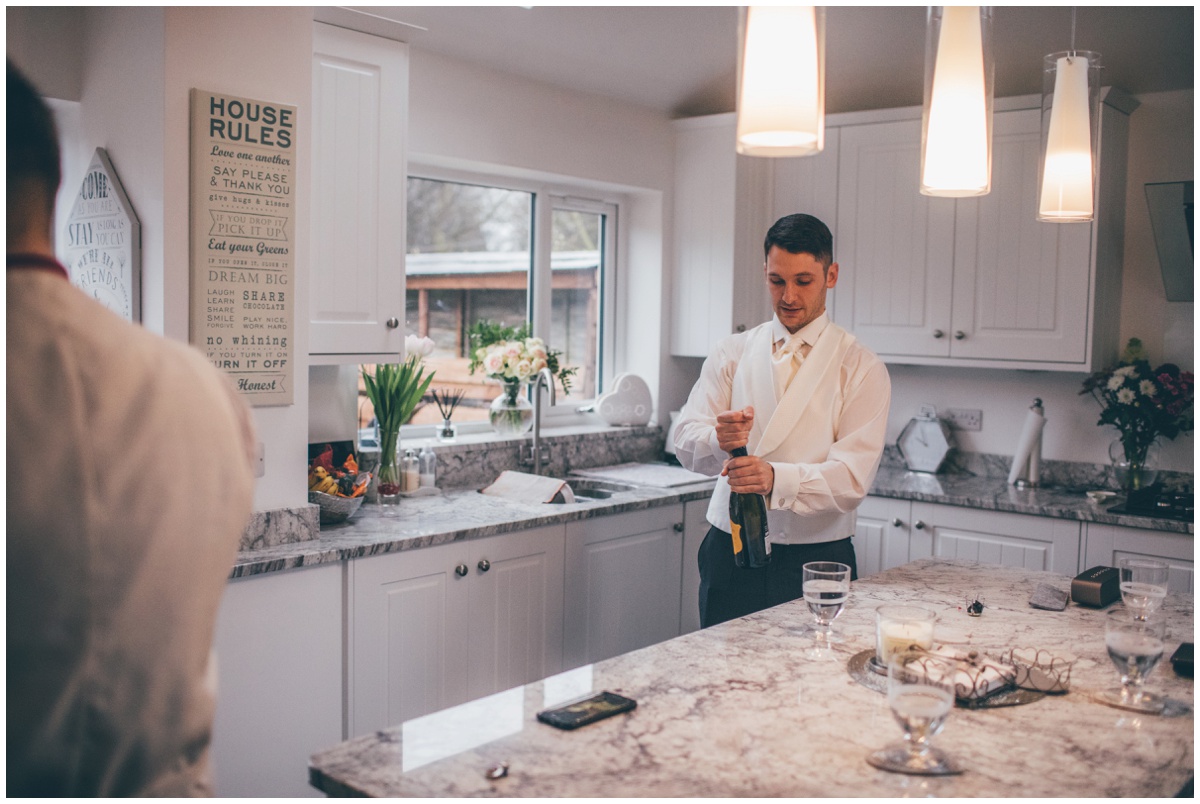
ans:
(748, 524)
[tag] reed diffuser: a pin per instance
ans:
(446, 402)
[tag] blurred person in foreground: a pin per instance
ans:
(129, 484)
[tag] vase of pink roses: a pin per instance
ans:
(512, 357)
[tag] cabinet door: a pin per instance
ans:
(895, 247)
(279, 680)
(622, 583)
(1106, 545)
(1020, 286)
(810, 185)
(516, 609)
(360, 102)
(695, 528)
(881, 535)
(409, 627)
(995, 537)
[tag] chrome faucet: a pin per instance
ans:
(535, 455)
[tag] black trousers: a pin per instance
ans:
(727, 592)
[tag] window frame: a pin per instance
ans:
(548, 196)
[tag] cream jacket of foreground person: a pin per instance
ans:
(129, 485)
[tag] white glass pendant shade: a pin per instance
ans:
(956, 138)
(781, 81)
(1069, 96)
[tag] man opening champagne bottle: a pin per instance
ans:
(808, 404)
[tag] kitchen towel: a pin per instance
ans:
(523, 487)
(1024, 463)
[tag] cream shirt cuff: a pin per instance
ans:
(787, 485)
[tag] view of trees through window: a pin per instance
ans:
(470, 258)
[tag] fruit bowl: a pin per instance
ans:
(334, 509)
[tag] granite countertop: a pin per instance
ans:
(465, 514)
(738, 710)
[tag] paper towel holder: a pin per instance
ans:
(1026, 472)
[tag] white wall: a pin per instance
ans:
(265, 54)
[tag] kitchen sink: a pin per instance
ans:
(588, 489)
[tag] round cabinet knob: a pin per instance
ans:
(678, 526)
(959, 335)
(919, 525)
(392, 323)
(937, 333)
(897, 522)
(484, 565)
(461, 570)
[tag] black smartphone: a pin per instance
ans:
(587, 710)
(1181, 661)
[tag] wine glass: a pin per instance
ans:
(920, 695)
(826, 587)
(1143, 585)
(1135, 647)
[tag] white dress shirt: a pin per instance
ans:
(823, 435)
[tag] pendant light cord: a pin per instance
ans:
(1073, 10)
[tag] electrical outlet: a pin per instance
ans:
(964, 419)
(260, 459)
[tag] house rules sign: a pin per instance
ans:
(243, 237)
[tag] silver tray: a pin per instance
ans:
(860, 670)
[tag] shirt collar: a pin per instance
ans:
(807, 334)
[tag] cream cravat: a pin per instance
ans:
(786, 361)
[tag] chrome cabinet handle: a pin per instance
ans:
(937, 333)
(897, 522)
(678, 526)
(484, 565)
(919, 525)
(392, 323)
(461, 570)
(959, 335)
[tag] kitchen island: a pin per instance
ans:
(737, 710)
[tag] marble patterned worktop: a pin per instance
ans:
(465, 514)
(739, 710)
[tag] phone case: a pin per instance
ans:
(587, 710)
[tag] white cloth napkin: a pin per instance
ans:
(979, 680)
(528, 488)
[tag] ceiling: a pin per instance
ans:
(680, 60)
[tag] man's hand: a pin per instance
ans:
(733, 428)
(749, 475)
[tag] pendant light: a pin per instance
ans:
(781, 81)
(1070, 113)
(956, 134)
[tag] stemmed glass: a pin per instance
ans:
(921, 695)
(826, 587)
(1135, 647)
(1143, 585)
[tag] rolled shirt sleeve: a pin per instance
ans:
(696, 444)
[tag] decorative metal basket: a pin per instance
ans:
(334, 509)
(1039, 670)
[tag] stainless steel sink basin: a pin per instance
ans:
(589, 490)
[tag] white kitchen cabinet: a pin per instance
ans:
(995, 537)
(695, 528)
(622, 583)
(722, 212)
(881, 535)
(357, 228)
(1105, 545)
(279, 680)
(434, 627)
(978, 282)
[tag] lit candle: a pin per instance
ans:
(898, 627)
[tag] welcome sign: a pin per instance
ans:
(243, 237)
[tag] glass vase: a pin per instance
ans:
(447, 432)
(511, 413)
(1135, 466)
(387, 483)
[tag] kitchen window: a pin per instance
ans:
(508, 252)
